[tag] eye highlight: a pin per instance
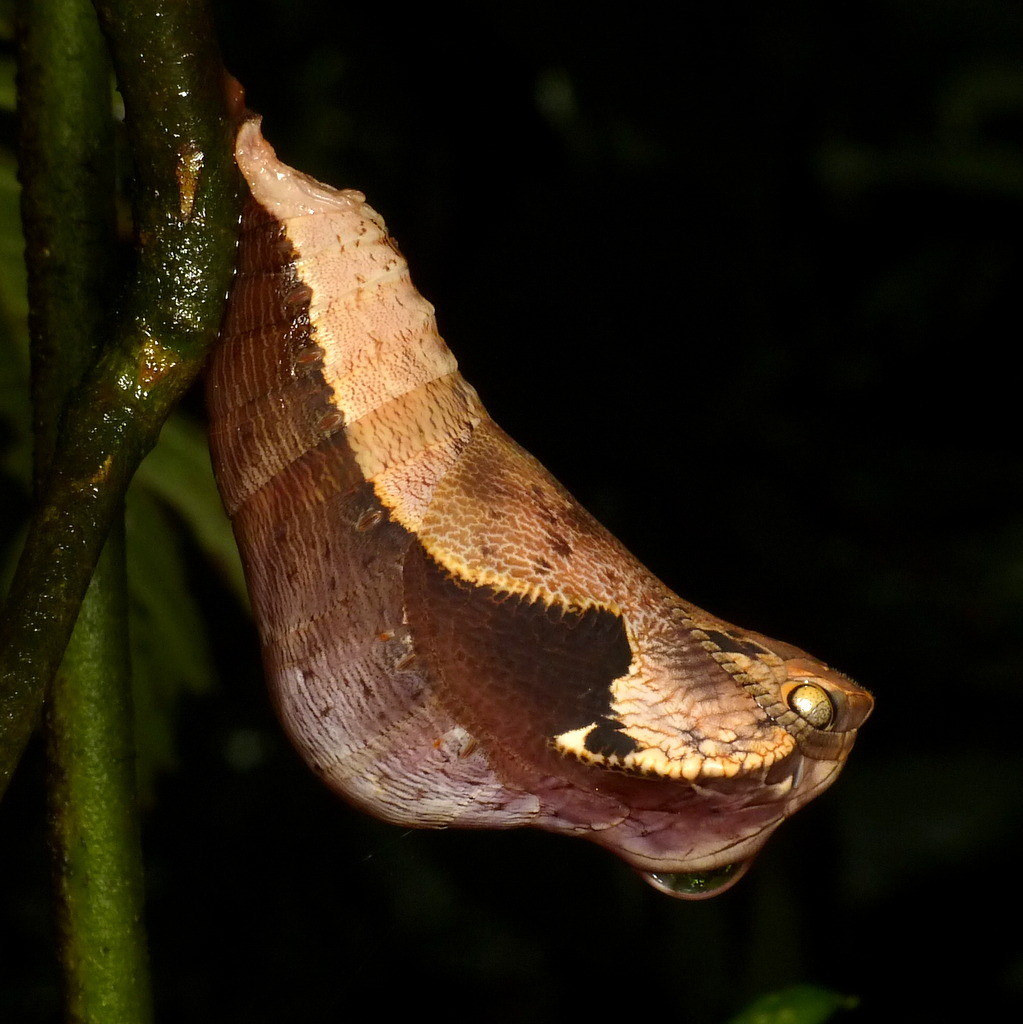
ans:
(813, 704)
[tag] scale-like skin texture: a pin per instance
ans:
(450, 639)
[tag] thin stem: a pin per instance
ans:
(66, 169)
(66, 149)
(92, 798)
(187, 204)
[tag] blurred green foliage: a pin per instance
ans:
(801, 1004)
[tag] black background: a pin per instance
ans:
(748, 283)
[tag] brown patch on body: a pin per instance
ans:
(498, 510)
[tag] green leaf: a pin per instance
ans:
(170, 653)
(799, 1004)
(7, 20)
(8, 100)
(15, 410)
(178, 472)
(15, 406)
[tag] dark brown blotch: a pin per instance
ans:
(731, 644)
(608, 740)
(514, 670)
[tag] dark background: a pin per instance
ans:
(748, 283)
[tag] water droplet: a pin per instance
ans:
(697, 885)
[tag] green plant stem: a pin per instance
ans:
(66, 149)
(187, 204)
(92, 797)
(66, 141)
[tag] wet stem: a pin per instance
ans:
(97, 410)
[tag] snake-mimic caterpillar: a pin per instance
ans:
(450, 639)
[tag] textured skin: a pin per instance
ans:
(449, 638)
